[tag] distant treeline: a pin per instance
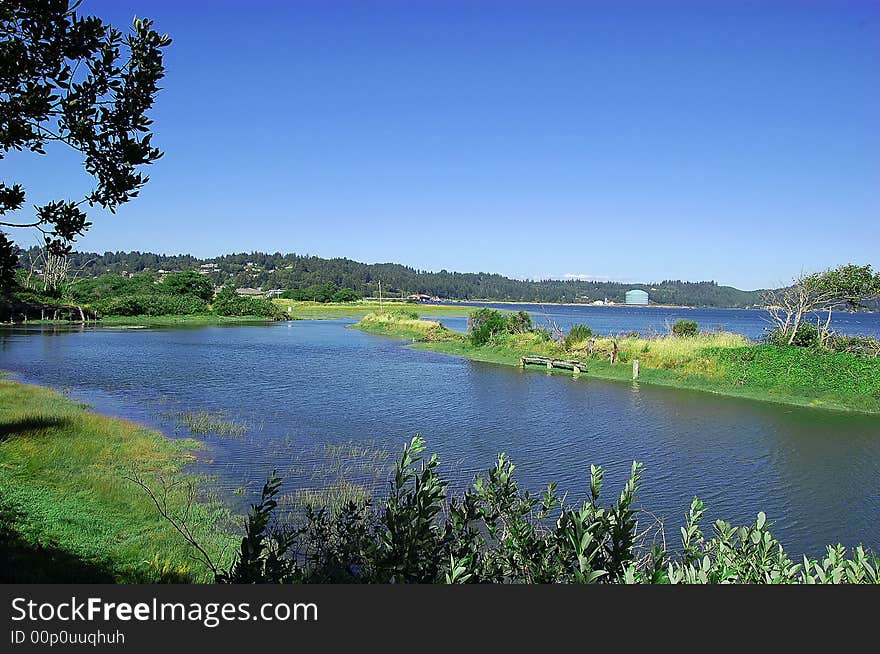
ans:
(293, 271)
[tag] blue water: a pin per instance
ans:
(621, 319)
(302, 386)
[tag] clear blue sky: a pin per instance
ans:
(633, 141)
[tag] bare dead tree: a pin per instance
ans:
(819, 293)
(788, 306)
(180, 521)
(553, 327)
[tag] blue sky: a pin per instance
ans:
(631, 141)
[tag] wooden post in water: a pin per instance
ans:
(635, 368)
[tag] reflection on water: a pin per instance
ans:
(302, 386)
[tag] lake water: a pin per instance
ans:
(304, 385)
(658, 320)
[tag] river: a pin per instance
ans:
(302, 386)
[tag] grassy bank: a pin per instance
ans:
(178, 320)
(331, 310)
(68, 511)
(154, 321)
(721, 363)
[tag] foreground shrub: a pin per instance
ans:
(497, 533)
(685, 328)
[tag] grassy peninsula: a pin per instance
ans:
(68, 510)
(301, 310)
(722, 363)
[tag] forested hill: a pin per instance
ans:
(291, 271)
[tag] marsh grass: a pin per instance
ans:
(351, 460)
(204, 423)
(402, 324)
(336, 474)
(690, 354)
(69, 510)
(332, 497)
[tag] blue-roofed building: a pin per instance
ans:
(637, 296)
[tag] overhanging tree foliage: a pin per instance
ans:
(78, 81)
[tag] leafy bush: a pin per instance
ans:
(519, 322)
(106, 287)
(497, 533)
(188, 283)
(484, 324)
(230, 303)
(151, 305)
(543, 334)
(402, 314)
(685, 328)
(577, 334)
(324, 293)
(346, 295)
(807, 335)
(862, 345)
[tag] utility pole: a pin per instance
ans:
(380, 295)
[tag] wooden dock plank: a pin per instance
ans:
(564, 364)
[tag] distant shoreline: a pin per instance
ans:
(589, 304)
(612, 306)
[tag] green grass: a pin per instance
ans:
(722, 363)
(68, 511)
(331, 310)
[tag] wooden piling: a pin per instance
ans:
(635, 368)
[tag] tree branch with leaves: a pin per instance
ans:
(78, 81)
